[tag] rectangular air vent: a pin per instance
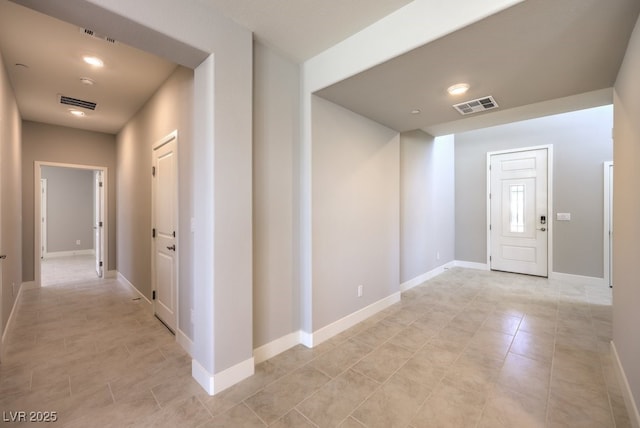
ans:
(77, 103)
(476, 106)
(91, 33)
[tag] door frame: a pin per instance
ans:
(172, 136)
(43, 215)
(550, 217)
(37, 214)
(608, 224)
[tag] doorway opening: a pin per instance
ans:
(70, 226)
(519, 199)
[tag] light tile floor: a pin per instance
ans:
(466, 349)
(64, 270)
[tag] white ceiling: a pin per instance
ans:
(302, 29)
(52, 51)
(536, 51)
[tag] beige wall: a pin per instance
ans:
(626, 216)
(355, 212)
(427, 210)
(70, 209)
(581, 144)
(10, 196)
(50, 143)
(169, 109)
(275, 120)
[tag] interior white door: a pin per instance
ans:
(519, 218)
(98, 224)
(609, 217)
(165, 203)
(43, 219)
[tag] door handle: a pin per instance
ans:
(3, 256)
(542, 229)
(172, 247)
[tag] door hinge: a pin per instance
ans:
(153, 171)
(100, 224)
(174, 233)
(489, 227)
(153, 232)
(153, 295)
(100, 184)
(489, 258)
(100, 264)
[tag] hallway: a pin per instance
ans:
(468, 348)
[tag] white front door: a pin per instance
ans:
(165, 219)
(519, 212)
(98, 222)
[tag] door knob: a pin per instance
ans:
(543, 229)
(172, 247)
(3, 256)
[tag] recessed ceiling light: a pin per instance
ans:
(458, 88)
(77, 113)
(87, 81)
(93, 60)
(416, 111)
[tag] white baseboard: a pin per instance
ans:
(471, 265)
(317, 337)
(54, 254)
(426, 276)
(143, 298)
(12, 316)
(276, 347)
(184, 341)
(588, 280)
(632, 409)
(218, 382)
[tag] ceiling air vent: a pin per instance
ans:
(95, 35)
(77, 103)
(476, 106)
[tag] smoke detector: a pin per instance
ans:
(476, 106)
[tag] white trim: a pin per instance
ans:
(184, 341)
(317, 337)
(607, 213)
(276, 347)
(11, 319)
(549, 148)
(56, 254)
(630, 403)
(407, 285)
(216, 383)
(471, 265)
(587, 280)
(144, 298)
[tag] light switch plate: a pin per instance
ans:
(564, 216)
